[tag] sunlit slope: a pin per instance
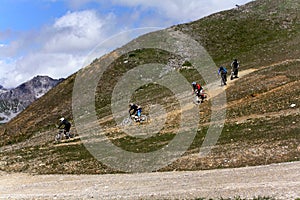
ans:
(261, 126)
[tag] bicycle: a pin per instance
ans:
(223, 79)
(223, 73)
(62, 135)
(197, 100)
(133, 118)
(233, 74)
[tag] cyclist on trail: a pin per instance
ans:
(235, 68)
(135, 110)
(198, 89)
(223, 72)
(67, 126)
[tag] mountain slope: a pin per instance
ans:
(254, 33)
(14, 101)
(261, 126)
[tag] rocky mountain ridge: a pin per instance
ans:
(15, 100)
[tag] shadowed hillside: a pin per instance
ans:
(261, 125)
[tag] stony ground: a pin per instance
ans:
(279, 181)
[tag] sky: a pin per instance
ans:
(53, 37)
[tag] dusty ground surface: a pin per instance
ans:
(280, 181)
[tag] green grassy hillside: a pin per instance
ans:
(261, 126)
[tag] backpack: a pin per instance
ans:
(223, 70)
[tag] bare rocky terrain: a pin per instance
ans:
(278, 181)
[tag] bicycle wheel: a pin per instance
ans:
(71, 135)
(196, 100)
(143, 118)
(206, 96)
(127, 121)
(58, 137)
(223, 79)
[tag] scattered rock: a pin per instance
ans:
(293, 105)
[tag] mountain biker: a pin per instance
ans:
(198, 89)
(223, 72)
(235, 68)
(139, 113)
(67, 126)
(135, 110)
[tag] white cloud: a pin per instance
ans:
(56, 65)
(59, 49)
(172, 10)
(181, 10)
(76, 31)
(10, 50)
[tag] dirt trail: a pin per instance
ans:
(281, 181)
(215, 88)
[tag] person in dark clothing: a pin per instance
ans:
(235, 68)
(198, 89)
(135, 110)
(223, 72)
(66, 125)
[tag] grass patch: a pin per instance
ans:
(264, 80)
(271, 129)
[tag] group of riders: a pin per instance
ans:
(234, 71)
(135, 110)
(198, 90)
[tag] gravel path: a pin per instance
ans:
(281, 181)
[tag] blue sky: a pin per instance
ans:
(53, 37)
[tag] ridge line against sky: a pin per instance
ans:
(53, 37)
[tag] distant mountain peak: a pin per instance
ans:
(15, 100)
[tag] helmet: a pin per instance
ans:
(62, 119)
(194, 83)
(131, 104)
